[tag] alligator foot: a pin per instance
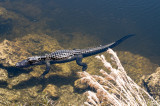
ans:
(80, 63)
(47, 69)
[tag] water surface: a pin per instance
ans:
(106, 19)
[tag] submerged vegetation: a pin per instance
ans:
(25, 32)
(61, 84)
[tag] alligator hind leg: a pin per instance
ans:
(80, 63)
(47, 69)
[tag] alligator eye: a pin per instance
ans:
(30, 62)
(43, 58)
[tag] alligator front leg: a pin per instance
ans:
(80, 63)
(47, 69)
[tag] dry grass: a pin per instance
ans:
(114, 88)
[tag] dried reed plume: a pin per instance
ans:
(115, 88)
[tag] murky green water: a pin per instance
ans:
(72, 24)
(106, 19)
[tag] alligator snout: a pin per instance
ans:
(23, 63)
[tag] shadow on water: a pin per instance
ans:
(55, 80)
(13, 71)
(34, 81)
(3, 84)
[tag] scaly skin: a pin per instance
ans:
(62, 56)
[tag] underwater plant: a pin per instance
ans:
(114, 88)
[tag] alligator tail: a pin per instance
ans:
(120, 40)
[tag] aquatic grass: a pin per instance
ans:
(114, 88)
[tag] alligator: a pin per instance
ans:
(63, 56)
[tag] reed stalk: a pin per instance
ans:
(115, 88)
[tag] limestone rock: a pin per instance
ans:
(152, 83)
(70, 97)
(4, 101)
(60, 70)
(136, 65)
(3, 75)
(10, 53)
(80, 85)
(2, 11)
(14, 51)
(51, 90)
(17, 80)
(37, 71)
(38, 44)
(11, 95)
(31, 92)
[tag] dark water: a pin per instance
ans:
(106, 19)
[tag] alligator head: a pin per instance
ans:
(30, 61)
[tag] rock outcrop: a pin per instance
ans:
(3, 75)
(20, 79)
(152, 83)
(10, 53)
(25, 82)
(21, 48)
(51, 90)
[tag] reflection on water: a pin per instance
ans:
(107, 19)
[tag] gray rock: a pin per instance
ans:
(152, 83)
